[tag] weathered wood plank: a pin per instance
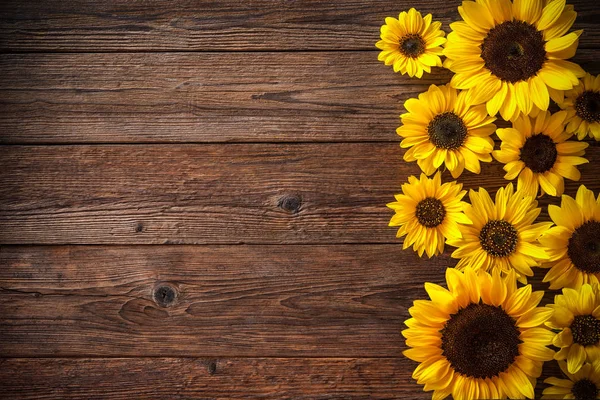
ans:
(236, 378)
(206, 97)
(209, 301)
(202, 97)
(243, 378)
(219, 194)
(87, 25)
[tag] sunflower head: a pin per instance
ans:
(503, 235)
(573, 245)
(511, 56)
(411, 43)
(440, 128)
(536, 151)
(582, 104)
(427, 212)
(582, 385)
(482, 338)
(577, 317)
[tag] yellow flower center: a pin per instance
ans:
(585, 330)
(513, 51)
(539, 153)
(480, 341)
(498, 238)
(412, 45)
(447, 131)
(584, 247)
(587, 106)
(584, 389)
(430, 212)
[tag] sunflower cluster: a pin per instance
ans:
(485, 335)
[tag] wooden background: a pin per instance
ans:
(192, 198)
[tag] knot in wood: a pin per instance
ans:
(290, 203)
(165, 295)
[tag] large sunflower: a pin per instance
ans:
(482, 338)
(573, 245)
(583, 105)
(585, 384)
(411, 43)
(536, 150)
(577, 317)
(503, 235)
(511, 55)
(427, 212)
(440, 128)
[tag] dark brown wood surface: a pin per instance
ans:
(213, 193)
(207, 97)
(192, 199)
(184, 378)
(224, 25)
(224, 301)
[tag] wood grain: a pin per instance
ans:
(87, 25)
(231, 378)
(207, 97)
(219, 194)
(202, 97)
(221, 301)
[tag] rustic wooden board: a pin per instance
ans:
(232, 378)
(207, 97)
(209, 301)
(86, 25)
(219, 194)
(202, 97)
(238, 378)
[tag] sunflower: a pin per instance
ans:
(511, 55)
(583, 385)
(573, 245)
(583, 105)
(427, 212)
(503, 235)
(482, 338)
(440, 128)
(577, 317)
(536, 150)
(411, 43)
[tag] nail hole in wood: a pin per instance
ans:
(212, 367)
(139, 227)
(165, 295)
(290, 203)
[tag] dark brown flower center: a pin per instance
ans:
(513, 51)
(584, 247)
(412, 45)
(430, 212)
(480, 341)
(584, 389)
(587, 106)
(539, 153)
(498, 238)
(447, 131)
(585, 330)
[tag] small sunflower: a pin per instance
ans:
(583, 105)
(536, 150)
(482, 338)
(573, 245)
(440, 128)
(577, 317)
(583, 385)
(503, 236)
(411, 43)
(511, 55)
(427, 212)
